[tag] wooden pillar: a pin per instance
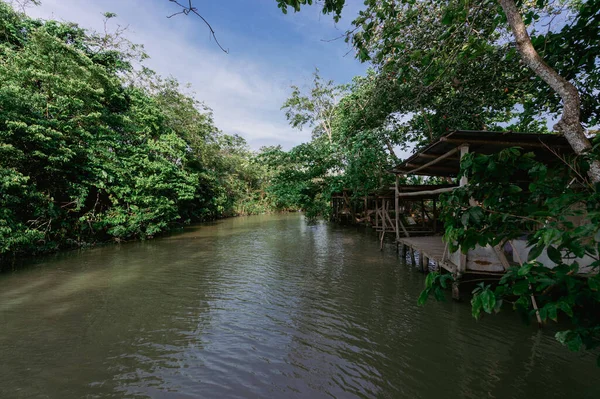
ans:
(464, 150)
(397, 208)
(462, 265)
(421, 261)
(434, 217)
(456, 290)
(376, 212)
(412, 257)
(425, 268)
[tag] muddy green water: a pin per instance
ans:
(262, 307)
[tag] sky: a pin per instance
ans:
(268, 52)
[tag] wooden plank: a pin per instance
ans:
(430, 192)
(504, 143)
(438, 159)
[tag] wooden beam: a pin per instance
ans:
(430, 192)
(432, 169)
(505, 143)
(436, 160)
(434, 156)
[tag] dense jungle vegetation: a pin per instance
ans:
(96, 148)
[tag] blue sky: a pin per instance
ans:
(269, 51)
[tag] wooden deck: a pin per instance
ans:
(431, 248)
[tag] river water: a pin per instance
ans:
(262, 307)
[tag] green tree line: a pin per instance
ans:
(94, 149)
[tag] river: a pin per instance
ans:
(262, 307)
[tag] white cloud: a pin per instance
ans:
(244, 93)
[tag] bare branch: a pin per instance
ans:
(186, 10)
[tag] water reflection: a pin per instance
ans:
(261, 307)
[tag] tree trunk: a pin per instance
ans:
(570, 122)
(390, 147)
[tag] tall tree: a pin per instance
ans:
(316, 108)
(379, 32)
(570, 121)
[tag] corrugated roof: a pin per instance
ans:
(482, 142)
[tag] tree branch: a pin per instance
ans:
(186, 10)
(570, 121)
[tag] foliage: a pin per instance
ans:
(452, 65)
(435, 283)
(511, 195)
(87, 155)
(316, 109)
(338, 157)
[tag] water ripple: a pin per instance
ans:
(262, 307)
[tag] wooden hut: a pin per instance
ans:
(442, 158)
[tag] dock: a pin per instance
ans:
(430, 249)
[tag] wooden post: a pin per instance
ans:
(462, 266)
(412, 257)
(434, 217)
(425, 264)
(376, 212)
(456, 290)
(464, 150)
(397, 208)
(421, 261)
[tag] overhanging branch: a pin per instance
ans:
(186, 10)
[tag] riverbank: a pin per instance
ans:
(11, 262)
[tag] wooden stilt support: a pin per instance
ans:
(412, 257)
(421, 261)
(425, 268)
(456, 289)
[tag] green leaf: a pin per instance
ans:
(575, 343)
(525, 269)
(521, 287)
(476, 306)
(423, 297)
(448, 18)
(565, 307)
(488, 301)
(429, 280)
(594, 282)
(535, 252)
(554, 254)
(465, 219)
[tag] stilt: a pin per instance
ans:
(456, 290)
(421, 261)
(412, 257)
(425, 268)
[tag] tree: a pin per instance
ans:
(570, 121)
(315, 109)
(378, 30)
(88, 154)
